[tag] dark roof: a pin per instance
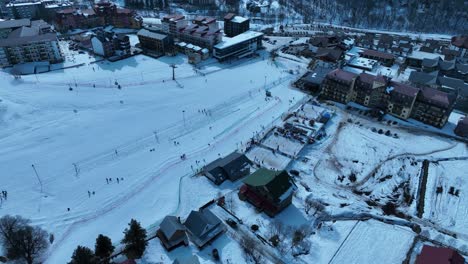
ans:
(170, 225)
(436, 97)
(332, 54)
(430, 62)
(15, 41)
(190, 260)
(229, 16)
(151, 34)
(436, 255)
(317, 75)
(198, 222)
(341, 75)
(404, 89)
(370, 79)
(460, 41)
(423, 78)
(378, 54)
(233, 166)
(261, 177)
(462, 68)
(447, 65)
(453, 83)
(15, 23)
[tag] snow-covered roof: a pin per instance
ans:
(362, 63)
(424, 55)
(239, 19)
(248, 35)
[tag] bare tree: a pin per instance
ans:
(32, 241)
(311, 203)
(249, 246)
(22, 241)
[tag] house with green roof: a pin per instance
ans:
(268, 190)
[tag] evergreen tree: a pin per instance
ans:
(83, 255)
(134, 240)
(103, 248)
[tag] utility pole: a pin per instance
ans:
(183, 117)
(77, 170)
(37, 175)
(173, 66)
(156, 136)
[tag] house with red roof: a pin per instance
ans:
(433, 106)
(462, 127)
(339, 86)
(437, 255)
(401, 99)
(369, 90)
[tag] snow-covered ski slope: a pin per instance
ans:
(76, 139)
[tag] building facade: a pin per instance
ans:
(30, 44)
(155, 42)
(102, 14)
(370, 89)
(239, 46)
(339, 86)
(235, 25)
(433, 107)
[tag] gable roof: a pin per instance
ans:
(436, 97)
(436, 255)
(341, 75)
(198, 222)
(261, 177)
(332, 54)
(15, 23)
(170, 225)
(404, 89)
(374, 53)
(151, 34)
(370, 79)
(233, 166)
(423, 77)
(190, 260)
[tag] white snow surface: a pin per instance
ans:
(109, 133)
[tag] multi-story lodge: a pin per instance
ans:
(77, 18)
(239, 46)
(339, 86)
(103, 13)
(155, 42)
(433, 107)
(32, 43)
(428, 105)
(235, 25)
(171, 24)
(400, 99)
(7, 26)
(203, 31)
(268, 190)
(370, 89)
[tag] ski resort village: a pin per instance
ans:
(135, 137)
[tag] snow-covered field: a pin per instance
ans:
(446, 201)
(77, 139)
(371, 240)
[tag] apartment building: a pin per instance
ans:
(339, 86)
(235, 25)
(30, 44)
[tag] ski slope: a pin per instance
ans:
(77, 139)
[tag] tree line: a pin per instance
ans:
(25, 243)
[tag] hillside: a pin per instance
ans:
(441, 16)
